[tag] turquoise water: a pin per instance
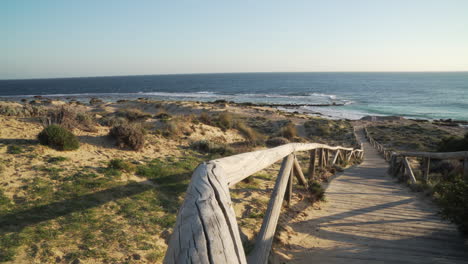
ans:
(430, 95)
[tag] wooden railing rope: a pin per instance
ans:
(400, 165)
(206, 229)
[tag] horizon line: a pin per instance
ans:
(208, 73)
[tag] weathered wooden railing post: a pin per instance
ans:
(312, 164)
(264, 239)
(426, 168)
(320, 158)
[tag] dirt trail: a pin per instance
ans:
(370, 218)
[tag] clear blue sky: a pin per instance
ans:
(96, 38)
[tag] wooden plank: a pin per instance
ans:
(409, 170)
(206, 228)
(320, 158)
(264, 239)
(299, 175)
(312, 164)
(335, 158)
(289, 188)
(240, 166)
(427, 165)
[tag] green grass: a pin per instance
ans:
(56, 160)
(96, 210)
(14, 149)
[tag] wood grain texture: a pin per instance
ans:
(265, 237)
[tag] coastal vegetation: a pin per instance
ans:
(59, 138)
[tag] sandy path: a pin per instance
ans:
(369, 218)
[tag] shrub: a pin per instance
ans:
(211, 147)
(205, 118)
(58, 138)
(317, 191)
(276, 141)
(69, 118)
(163, 116)
(225, 121)
(288, 131)
(453, 198)
(112, 121)
(129, 135)
(133, 114)
(252, 136)
(121, 165)
(450, 144)
(57, 159)
(177, 127)
(14, 149)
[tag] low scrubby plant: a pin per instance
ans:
(14, 149)
(121, 165)
(69, 118)
(317, 191)
(252, 136)
(225, 121)
(205, 118)
(133, 114)
(56, 159)
(129, 135)
(452, 144)
(276, 141)
(177, 127)
(288, 131)
(452, 196)
(206, 146)
(58, 138)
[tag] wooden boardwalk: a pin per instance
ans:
(370, 218)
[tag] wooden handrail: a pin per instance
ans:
(206, 229)
(404, 164)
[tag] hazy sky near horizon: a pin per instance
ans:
(42, 39)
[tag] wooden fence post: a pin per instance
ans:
(312, 164)
(320, 158)
(427, 165)
(409, 170)
(265, 237)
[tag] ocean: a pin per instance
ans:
(423, 95)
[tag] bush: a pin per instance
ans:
(205, 118)
(58, 138)
(177, 127)
(452, 196)
(452, 144)
(121, 165)
(288, 131)
(69, 118)
(129, 135)
(225, 121)
(276, 141)
(14, 149)
(252, 136)
(112, 121)
(133, 114)
(317, 191)
(211, 147)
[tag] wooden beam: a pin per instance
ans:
(312, 164)
(289, 188)
(264, 239)
(299, 175)
(335, 158)
(320, 158)
(427, 165)
(409, 170)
